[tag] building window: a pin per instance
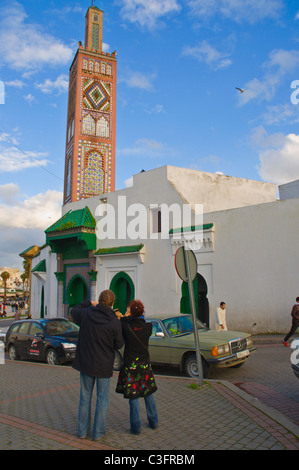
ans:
(94, 174)
(103, 128)
(88, 125)
(155, 219)
(95, 36)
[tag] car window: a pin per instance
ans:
(35, 329)
(178, 325)
(14, 328)
(24, 328)
(60, 327)
(156, 327)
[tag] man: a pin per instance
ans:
(100, 335)
(220, 320)
(295, 322)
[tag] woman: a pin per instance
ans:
(136, 377)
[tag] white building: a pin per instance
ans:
(247, 258)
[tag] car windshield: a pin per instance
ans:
(182, 325)
(59, 327)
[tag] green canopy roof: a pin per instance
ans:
(78, 225)
(78, 219)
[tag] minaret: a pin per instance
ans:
(91, 117)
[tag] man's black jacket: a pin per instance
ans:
(100, 335)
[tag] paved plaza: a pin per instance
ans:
(39, 406)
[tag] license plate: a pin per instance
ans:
(242, 354)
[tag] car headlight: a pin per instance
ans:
(68, 345)
(220, 350)
(249, 341)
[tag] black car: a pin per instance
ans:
(53, 340)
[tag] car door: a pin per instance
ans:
(21, 338)
(159, 347)
(35, 343)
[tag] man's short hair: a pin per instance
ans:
(107, 298)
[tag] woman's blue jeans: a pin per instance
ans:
(152, 416)
(86, 388)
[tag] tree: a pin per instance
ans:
(5, 276)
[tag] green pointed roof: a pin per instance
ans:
(40, 267)
(72, 220)
(76, 227)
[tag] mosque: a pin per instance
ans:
(244, 238)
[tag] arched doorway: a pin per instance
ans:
(200, 290)
(77, 291)
(124, 290)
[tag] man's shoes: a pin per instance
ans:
(285, 343)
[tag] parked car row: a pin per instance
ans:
(172, 343)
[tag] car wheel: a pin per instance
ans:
(191, 368)
(52, 357)
(12, 353)
(117, 361)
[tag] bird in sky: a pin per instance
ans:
(240, 90)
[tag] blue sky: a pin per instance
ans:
(179, 63)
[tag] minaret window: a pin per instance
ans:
(94, 174)
(102, 128)
(95, 36)
(88, 126)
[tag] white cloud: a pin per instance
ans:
(22, 222)
(30, 98)
(156, 109)
(280, 63)
(9, 192)
(34, 212)
(145, 148)
(250, 11)
(147, 13)
(49, 86)
(138, 80)
(278, 154)
(15, 83)
(25, 46)
(208, 54)
(277, 114)
(13, 160)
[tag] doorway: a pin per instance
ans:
(124, 290)
(200, 290)
(77, 291)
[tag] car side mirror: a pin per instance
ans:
(40, 335)
(160, 334)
